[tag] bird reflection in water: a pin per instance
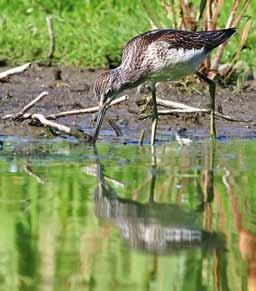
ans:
(152, 226)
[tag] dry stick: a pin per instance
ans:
(183, 108)
(217, 114)
(31, 104)
(14, 71)
(62, 128)
(174, 111)
(25, 108)
(177, 105)
(86, 110)
(51, 36)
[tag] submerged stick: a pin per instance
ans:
(14, 71)
(85, 110)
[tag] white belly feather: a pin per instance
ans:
(171, 64)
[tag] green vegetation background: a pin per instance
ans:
(89, 33)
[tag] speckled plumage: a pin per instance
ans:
(158, 55)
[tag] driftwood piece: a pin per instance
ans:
(85, 110)
(15, 71)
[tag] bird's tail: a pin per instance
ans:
(217, 37)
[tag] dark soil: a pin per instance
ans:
(74, 91)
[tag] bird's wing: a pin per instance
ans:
(179, 39)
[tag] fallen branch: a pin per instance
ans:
(21, 114)
(14, 71)
(62, 128)
(191, 109)
(177, 105)
(31, 104)
(86, 110)
(230, 118)
(174, 111)
(196, 110)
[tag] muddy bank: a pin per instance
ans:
(71, 88)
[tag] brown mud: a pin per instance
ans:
(71, 88)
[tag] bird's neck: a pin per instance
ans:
(120, 75)
(126, 77)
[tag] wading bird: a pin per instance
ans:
(155, 56)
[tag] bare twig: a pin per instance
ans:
(175, 111)
(172, 104)
(230, 118)
(196, 110)
(86, 110)
(31, 104)
(183, 108)
(14, 71)
(51, 36)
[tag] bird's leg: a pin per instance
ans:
(212, 90)
(155, 114)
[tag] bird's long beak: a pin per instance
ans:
(101, 113)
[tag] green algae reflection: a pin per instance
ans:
(75, 218)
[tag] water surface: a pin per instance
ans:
(75, 218)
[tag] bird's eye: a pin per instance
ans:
(108, 91)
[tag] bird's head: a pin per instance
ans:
(106, 88)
